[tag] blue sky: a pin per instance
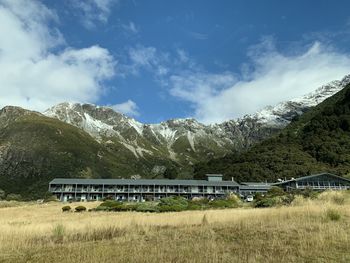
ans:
(157, 60)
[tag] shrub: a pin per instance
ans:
(51, 198)
(147, 207)
(2, 194)
(333, 214)
(222, 203)
(287, 199)
(275, 191)
(80, 209)
(13, 197)
(66, 208)
(194, 206)
(309, 193)
(173, 204)
(268, 202)
(100, 208)
(110, 204)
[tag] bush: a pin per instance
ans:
(2, 194)
(100, 208)
(307, 193)
(275, 191)
(147, 207)
(268, 202)
(80, 209)
(13, 197)
(333, 215)
(66, 208)
(194, 206)
(172, 204)
(287, 199)
(222, 203)
(51, 198)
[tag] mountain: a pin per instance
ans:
(317, 141)
(186, 141)
(34, 149)
(87, 141)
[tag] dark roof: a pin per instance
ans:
(256, 183)
(142, 182)
(311, 176)
(255, 187)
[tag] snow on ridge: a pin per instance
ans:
(138, 126)
(273, 114)
(164, 130)
(191, 140)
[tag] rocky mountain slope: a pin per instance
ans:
(186, 141)
(83, 140)
(317, 141)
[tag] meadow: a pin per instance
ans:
(306, 231)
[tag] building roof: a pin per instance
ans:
(311, 176)
(142, 182)
(256, 183)
(255, 187)
(214, 175)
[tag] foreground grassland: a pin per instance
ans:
(307, 231)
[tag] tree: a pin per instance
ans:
(2, 194)
(13, 197)
(170, 173)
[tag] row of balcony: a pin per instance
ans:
(323, 187)
(135, 191)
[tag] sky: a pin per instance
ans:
(160, 59)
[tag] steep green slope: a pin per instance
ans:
(318, 141)
(34, 149)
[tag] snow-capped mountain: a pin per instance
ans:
(186, 140)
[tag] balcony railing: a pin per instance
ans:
(173, 191)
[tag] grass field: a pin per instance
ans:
(307, 231)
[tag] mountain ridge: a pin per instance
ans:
(216, 140)
(85, 141)
(318, 141)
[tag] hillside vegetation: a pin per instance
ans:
(306, 231)
(317, 141)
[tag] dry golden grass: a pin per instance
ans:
(308, 231)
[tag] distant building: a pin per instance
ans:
(322, 181)
(153, 189)
(141, 189)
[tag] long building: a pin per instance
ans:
(153, 189)
(139, 190)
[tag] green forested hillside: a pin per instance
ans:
(34, 149)
(318, 141)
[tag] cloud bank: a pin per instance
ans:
(33, 74)
(92, 12)
(271, 77)
(129, 108)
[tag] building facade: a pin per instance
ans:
(322, 181)
(140, 190)
(153, 189)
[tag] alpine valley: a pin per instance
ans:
(88, 141)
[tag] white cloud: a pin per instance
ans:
(32, 75)
(149, 58)
(129, 108)
(93, 11)
(271, 78)
(130, 28)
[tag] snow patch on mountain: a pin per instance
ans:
(103, 123)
